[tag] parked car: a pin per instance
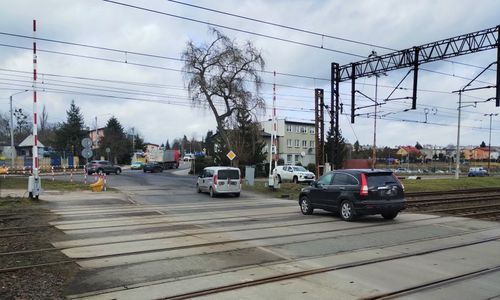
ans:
(187, 158)
(137, 165)
(102, 166)
(477, 172)
(295, 174)
(355, 192)
(219, 180)
(153, 167)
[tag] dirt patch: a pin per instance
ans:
(25, 236)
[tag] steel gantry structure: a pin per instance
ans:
(408, 58)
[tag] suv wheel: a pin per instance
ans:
(118, 171)
(279, 178)
(211, 192)
(198, 188)
(390, 215)
(305, 206)
(347, 212)
(295, 179)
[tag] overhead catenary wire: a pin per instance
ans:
(232, 28)
(322, 35)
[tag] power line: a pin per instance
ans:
(90, 46)
(322, 35)
(233, 28)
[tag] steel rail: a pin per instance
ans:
(294, 275)
(433, 284)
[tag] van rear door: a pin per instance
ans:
(228, 180)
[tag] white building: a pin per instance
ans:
(296, 141)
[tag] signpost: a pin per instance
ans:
(108, 150)
(231, 155)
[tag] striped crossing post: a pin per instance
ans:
(104, 181)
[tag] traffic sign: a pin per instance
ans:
(86, 143)
(87, 153)
(231, 155)
(108, 150)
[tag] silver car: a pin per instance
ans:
(219, 180)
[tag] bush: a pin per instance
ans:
(281, 162)
(311, 167)
(200, 163)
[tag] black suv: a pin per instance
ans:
(153, 167)
(355, 192)
(102, 166)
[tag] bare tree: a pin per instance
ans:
(225, 76)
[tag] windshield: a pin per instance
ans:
(299, 169)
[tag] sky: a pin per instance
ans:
(149, 95)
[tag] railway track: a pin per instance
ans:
(476, 203)
(314, 271)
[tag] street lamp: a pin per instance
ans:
(12, 129)
(489, 142)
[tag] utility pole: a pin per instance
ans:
(11, 135)
(457, 156)
(489, 141)
(133, 139)
(374, 151)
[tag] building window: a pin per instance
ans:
(288, 128)
(297, 158)
(311, 130)
(304, 144)
(289, 159)
(297, 128)
(303, 129)
(311, 144)
(297, 143)
(289, 143)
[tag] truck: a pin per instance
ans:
(169, 159)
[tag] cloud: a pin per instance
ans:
(395, 24)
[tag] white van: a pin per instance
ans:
(219, 180)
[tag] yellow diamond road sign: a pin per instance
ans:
(231, 155)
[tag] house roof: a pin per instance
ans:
(29, 141)
(151, 144)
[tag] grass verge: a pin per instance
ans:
(292, 191)
(22, 183)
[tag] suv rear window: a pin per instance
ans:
(231, 174)
(380, 179)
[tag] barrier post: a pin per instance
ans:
(52, 173)
(104, 181)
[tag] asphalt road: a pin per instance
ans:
(158, 238)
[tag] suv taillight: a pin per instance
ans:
(397, 179)
(215, 179)
(363, 191)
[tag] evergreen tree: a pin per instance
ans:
(356, 146)
(116, 140)
(70, 134)
(167, 145)
(338, 160)
(483, 144)
(418, 146)
(209, 143)
(246, 140)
